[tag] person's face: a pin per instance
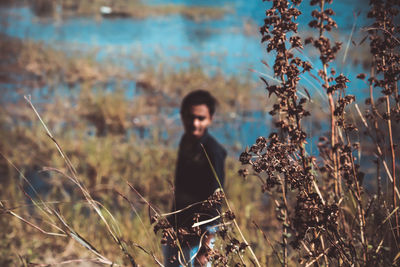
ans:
(196, 119)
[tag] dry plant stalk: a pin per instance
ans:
(385, 74)
(111, 226)
(337, 228)
(175, 237)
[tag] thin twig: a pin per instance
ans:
(229, 208)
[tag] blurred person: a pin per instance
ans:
(195, 182)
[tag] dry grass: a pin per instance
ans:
(135, 9)
(96, 129)
(102, 133)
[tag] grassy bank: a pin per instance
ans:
(135, 9)
(104, 165)
(110, 139)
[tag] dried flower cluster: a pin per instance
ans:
(277, 26)
(317, 222)
(310, 212)
(274, 158)
(337, 153)
(281, 160)
(176, 237)
(324, 211)
(214, 200)
(383, 114)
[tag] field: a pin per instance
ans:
(88, 148)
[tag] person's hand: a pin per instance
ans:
(201, 259)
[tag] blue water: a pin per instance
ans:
(221, 44)
(216, 45)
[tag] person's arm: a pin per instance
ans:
(218, 161)
(217, 158)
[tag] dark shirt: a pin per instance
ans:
(195, 180)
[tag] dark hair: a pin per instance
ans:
(199, 97)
